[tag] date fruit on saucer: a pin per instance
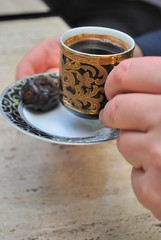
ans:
(40, 94)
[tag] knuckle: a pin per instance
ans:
(119, 73)
(112, 110)
(153, 197)
(122, 142)
(151, 189)
(154, 151)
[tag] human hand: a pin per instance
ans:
(44, 57)
(134, 90)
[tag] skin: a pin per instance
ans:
(44, 57)
(134, 91)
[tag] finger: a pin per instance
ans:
(141, 150)
(135, 75)
(41, 58)
(132, 111)
(147, 187)
(133, 146)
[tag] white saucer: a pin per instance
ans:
(58, 125)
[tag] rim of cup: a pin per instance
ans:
(98, 30)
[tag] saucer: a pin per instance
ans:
(57, 125)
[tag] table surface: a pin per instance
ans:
(19, 6)
(56, 192)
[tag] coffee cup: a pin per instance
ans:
(88, 54)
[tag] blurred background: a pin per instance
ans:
(12, 9)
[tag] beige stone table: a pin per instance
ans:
(56, 192)
(20, 7)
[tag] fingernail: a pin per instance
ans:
(108, 97)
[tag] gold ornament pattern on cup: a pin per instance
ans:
(83, 86)
(82, 79)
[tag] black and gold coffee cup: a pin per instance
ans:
(88, 54)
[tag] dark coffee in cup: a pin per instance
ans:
(96, 44)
